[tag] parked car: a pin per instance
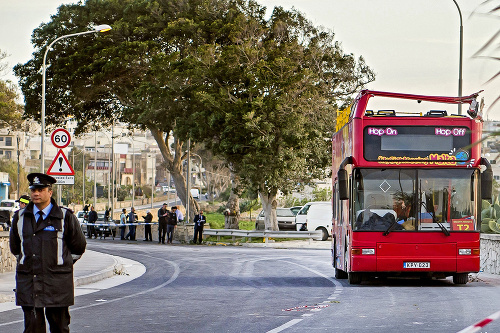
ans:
(316, 215)
(81, 217)
(286, 219)
(104, 231)
(296, 209)
(7, 209)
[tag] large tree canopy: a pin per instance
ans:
(269, 103)
(260, 92)
(139, 73)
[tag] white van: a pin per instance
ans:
(195, 193)
(316, 215)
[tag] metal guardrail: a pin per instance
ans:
(266, 234)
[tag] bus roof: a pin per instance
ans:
(363, 97)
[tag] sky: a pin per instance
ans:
(412, 45)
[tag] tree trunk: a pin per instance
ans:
(232, 213)
(174, 166)
(269, 205)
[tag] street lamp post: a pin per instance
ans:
(95, 170)
(133, 172)
(460, 58)
(99, 28)
(188, 180)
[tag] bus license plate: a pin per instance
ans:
(417, 265)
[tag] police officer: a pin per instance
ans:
(162, 223)
(199, 222)
(171, 224)
(24, 200)
(47, 240)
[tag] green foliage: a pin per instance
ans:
(74, 194)
(10, 167)
(271, 99)
(248, 205)
(224, 196)
(322, 194)
(291, 201)
(121, 193)
(216, 220)
(10, 110)
(490, 216)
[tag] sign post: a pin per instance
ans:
(60, 168)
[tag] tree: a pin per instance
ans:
(139, 73)
(11, 168)
(269, 101)
(10, 110)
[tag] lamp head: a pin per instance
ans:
(102, 28)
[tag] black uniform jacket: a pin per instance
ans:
(46, 253)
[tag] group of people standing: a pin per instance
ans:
(167, 221)
(128, 218)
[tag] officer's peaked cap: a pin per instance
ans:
(40, 180)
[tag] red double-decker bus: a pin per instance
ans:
(408, 188)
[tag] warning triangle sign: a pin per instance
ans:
(60, 166)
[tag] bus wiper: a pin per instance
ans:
(393, 224)
(443, 228)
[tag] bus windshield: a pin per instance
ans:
(414, 200)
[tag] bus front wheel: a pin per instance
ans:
(354, 277)
(460, 278)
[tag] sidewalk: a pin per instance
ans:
(92, 267)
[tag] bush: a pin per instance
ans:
(247, 205)
(224, 196)
(121, 194)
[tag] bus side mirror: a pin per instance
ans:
(487, 184)
(343, 184)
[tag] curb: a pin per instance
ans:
(100, 275)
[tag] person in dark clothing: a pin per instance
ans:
(162, 223)
(171, 224)
(148, 218)
(46, 240)
(199, 222)
(106, 215)
(92, 220)
(132, 218)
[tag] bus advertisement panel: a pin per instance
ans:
(408, 190)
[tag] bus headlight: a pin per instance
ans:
(368, 251)
(464, 252)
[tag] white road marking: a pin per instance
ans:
(285, 326)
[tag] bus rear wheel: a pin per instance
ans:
(354, 277)
(460, 278)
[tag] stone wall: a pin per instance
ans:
(7, 260)
(490, 253)
(183, 233)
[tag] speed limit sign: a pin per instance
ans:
(60, 138)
